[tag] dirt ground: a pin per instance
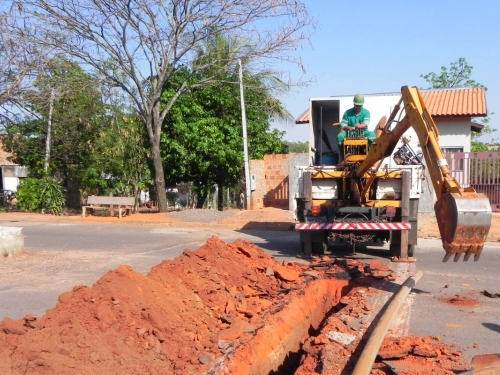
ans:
(223, 309)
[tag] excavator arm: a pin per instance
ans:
(463, 216)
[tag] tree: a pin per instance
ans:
(149, 41)
(203, 135)
(120, 153)
(77, 115)
(21, 58)
(459, 76)
(297, 147)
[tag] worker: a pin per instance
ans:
(353, 119)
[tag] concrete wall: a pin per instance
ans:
(454, 132)
(11, 240)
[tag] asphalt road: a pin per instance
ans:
(60, 256)
(449, 302)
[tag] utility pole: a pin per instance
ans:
(49, 131)
(245, 143)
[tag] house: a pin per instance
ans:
(10, 173)
(451, 109)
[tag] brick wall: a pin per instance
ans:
(271, 181)
(276, 167)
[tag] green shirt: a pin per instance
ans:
(350, 118)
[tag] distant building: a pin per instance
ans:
(10, 173)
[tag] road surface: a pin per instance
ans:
(447, 302)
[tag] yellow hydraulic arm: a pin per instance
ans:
(463, 216)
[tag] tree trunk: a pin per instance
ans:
(160, 180)
(220, 199)
(201, 199)
(153, 125)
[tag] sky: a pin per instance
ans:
(378, 46)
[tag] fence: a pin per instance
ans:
(480, 170)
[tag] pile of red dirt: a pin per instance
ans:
(223, 309)
(182, 318)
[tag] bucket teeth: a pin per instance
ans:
(458, 250)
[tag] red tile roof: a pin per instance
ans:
(455, 102)
(449, 102)
(304, 118)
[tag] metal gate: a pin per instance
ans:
(480, 170)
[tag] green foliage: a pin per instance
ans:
(98, 145)
(29, 195)
(202, 139)
(77, 118)
(457, 76)
(297, 147)
(119, 158)
(41, 194)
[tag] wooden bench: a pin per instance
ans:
(94, 202)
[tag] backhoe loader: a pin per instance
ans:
(362, 198)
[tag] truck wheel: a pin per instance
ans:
(411, 250)
(319, 247)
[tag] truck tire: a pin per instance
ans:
(411, 251)
(320, 247)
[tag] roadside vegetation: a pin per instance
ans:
(458, 75)
(100, 113)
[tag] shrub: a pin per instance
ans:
(41, 194)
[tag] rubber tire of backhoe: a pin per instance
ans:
(411, 251)
(319, 248)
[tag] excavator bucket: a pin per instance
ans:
(464, 221)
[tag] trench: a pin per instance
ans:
(276, 349)
(293, 359)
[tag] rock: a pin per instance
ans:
(159, 335)
(236, 330)
(29, 317)
(269, 271)
(13, 327)
(248, 313)
(204, 359)
(230, 308)
(223, 344)
(394, 353)
(286, 274)
(104, 313)
(425, 351)
(341, 338)
(378, 269)
(313, 274)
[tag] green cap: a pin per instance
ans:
(359, 99)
